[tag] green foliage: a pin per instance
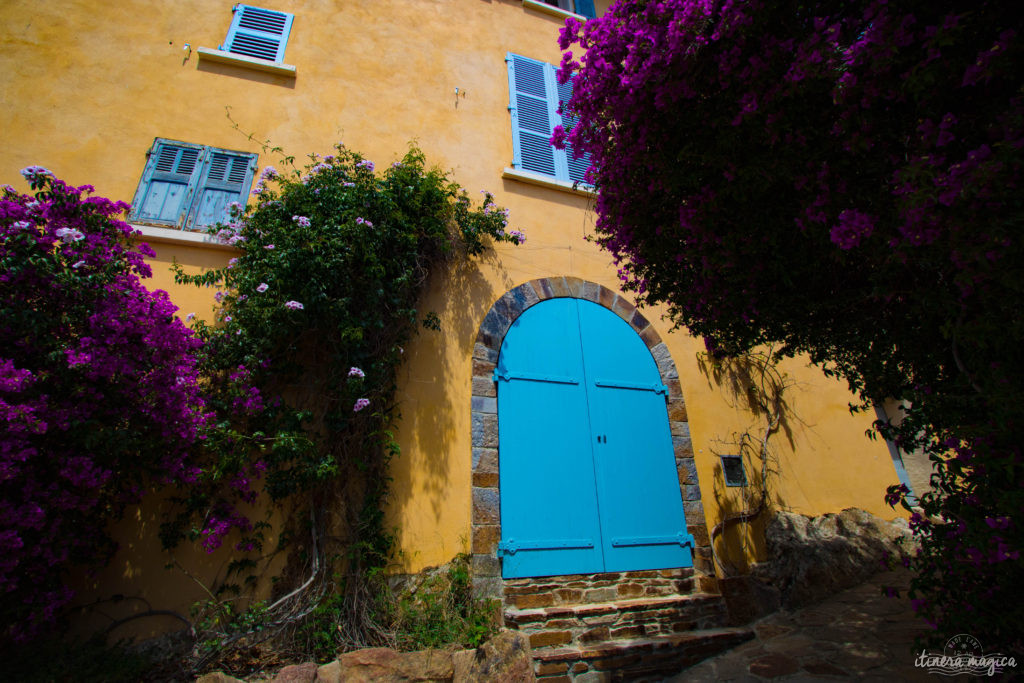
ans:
(320, 632)
(442, 611)
(224, 618)
(315, 310)
(301, 363)
(433, 612)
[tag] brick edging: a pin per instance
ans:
(486, 518)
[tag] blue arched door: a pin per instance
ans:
(588, 477)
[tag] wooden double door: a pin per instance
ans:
(587, 472)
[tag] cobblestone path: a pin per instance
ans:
(858, 634)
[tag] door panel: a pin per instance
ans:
(638, 488)
(549, 520)
(640, 503)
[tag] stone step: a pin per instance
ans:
(588, 624)
(575, 589)
(634, 659)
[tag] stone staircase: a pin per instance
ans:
(639, 625)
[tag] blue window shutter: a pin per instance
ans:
(226, 177)
(536, 97)
(532, 115)
(260, 33)
(167, 183)
(576, 167)
(586, 8)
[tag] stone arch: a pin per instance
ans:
(486, 516)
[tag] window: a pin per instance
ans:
(259, 33)
(732, 468)
(584, 7)
(189, 186)
(535, 95)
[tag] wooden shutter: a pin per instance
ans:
(535, 101)
(532, 115)
(260, 33)
(226, 178)
(586, 8)
(167, 183)
(576, 167)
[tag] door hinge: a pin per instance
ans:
(681, 538)
(512, 546)
(656, 387)
(551, 379)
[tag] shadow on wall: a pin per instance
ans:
(146, 591)
(193, 260)
(754, 387)
(246, 73)
(461, 296)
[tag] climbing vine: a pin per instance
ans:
(301, 360)
(758, 386)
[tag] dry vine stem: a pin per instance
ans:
(283, 613)
(757, 374)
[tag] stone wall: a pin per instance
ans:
(505, 658)
(811, 558)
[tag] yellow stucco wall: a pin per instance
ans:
(87, 86)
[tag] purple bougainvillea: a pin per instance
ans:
(842, 180)
(98, 390)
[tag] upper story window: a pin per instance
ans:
(584, 7)
(259, 33)
(535, 95)
(189, 186)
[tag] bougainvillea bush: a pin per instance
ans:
(314, 311)
(99, 393)
(843, 178)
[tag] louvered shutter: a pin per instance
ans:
(226, 178)
(586, 8)
(532, 115)
(576, 167)
(257, 32)
(536, 98)
(165, 190)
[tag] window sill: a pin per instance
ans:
(549, 182)
(183, 237)
(223, 57)
(553, 11)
